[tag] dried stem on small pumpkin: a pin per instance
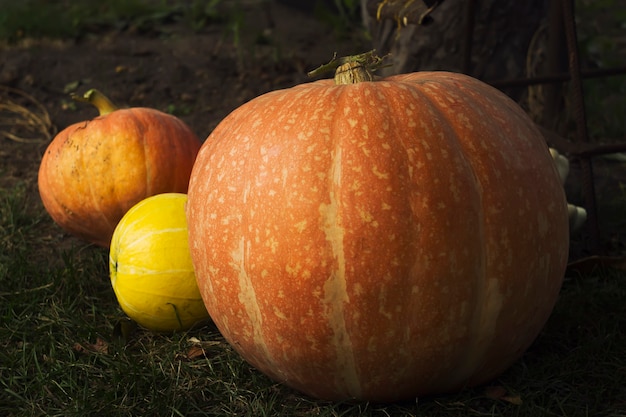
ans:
(352, 69)
(98, 100)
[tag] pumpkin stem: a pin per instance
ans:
(352, 69)
(98, 100)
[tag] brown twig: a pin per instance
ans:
(21, 124)
(404, 12)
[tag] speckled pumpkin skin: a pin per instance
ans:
(94, 171)
(378, 241)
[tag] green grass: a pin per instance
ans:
(62, 352)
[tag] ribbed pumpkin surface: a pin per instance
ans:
(380, 240)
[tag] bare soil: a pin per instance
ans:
(198, 75)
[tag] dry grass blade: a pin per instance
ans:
(23, 118)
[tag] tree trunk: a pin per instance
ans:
(501, 34)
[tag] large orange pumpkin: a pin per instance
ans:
(378, 240)
(94, 171)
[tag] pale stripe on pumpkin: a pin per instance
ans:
(335, 288)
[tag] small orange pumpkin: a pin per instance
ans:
(378, 240)
(94, 171)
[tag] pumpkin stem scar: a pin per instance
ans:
(113, 268)
(96, 99)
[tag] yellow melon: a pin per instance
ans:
(150, 265)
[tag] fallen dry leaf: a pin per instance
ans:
(197, 349)
(498, 392)
(495, 392)
(101, 346)
(515, 399)
(195, 352)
